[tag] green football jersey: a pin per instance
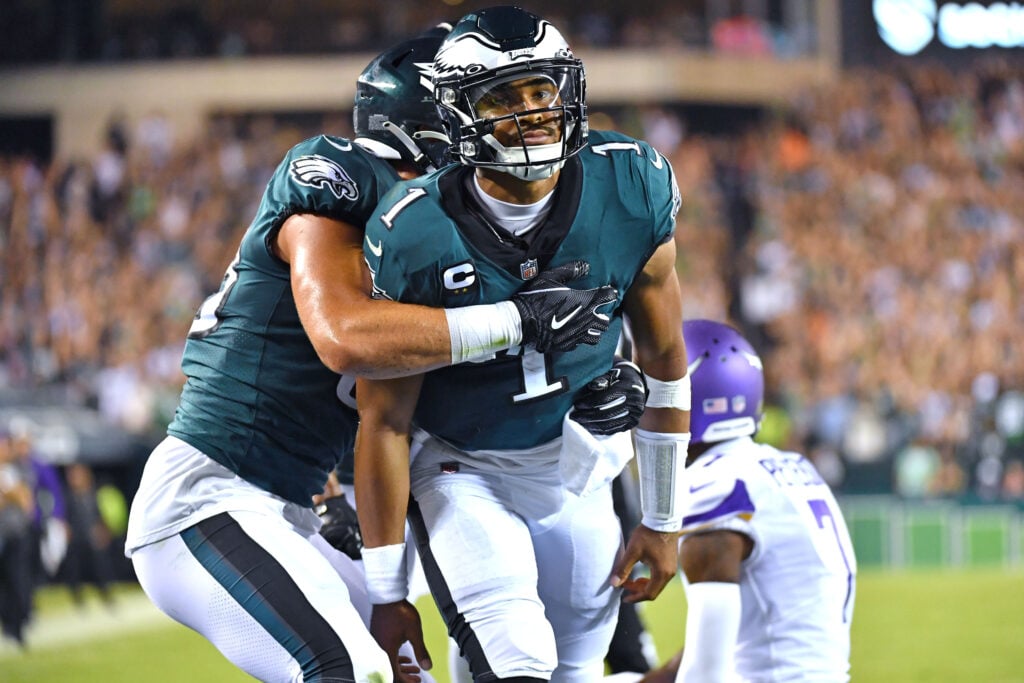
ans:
(430, 243)
(257, 399)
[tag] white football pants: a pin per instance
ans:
(281, 607)
(520, 569)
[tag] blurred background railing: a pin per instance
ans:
(894, 534)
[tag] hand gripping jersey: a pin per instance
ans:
(429, 243)
(257, 398)
(797, 587)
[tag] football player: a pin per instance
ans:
(767, 562)
(527, 576)
(222, 533)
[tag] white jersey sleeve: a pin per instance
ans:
(797, 587)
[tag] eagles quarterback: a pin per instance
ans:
(222, 534)
(527, 575)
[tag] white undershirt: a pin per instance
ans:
(517, 219)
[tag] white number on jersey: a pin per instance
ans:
(537, 381)
(388, 219)
(207, 318)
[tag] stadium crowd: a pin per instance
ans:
(868, 237)
(162, 31)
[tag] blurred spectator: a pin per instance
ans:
(17, 542)
(988, 471)
(49, 516)
(1009, 421)
(88, 561)
(916, 468)
(1013, 481)
(828, 463)
(950, 480)
(865, 437)
(662, 128)
(741, 34)
(121, 31)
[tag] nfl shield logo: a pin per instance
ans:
(528, 269)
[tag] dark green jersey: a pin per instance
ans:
(257, 398)
(429, 242)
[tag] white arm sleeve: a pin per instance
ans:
(712, 626)
(660, 460)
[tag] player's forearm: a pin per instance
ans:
(382, 487)
(384, 339)
(382, 494)
(654, 308)
(386, 408)
(664, 365)
(352, 333)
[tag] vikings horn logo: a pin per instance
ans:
(317, 171)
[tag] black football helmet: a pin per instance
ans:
(394, 114)
(497, 47)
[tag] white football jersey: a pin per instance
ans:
(797, 587)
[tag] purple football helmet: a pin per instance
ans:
(727, 379)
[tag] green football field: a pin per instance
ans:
(926, 626)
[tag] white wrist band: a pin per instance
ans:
(672, 394)
(387, 576)
(660, 461)
(479, 331)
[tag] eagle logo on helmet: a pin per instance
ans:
(320, 172)
(426, 71)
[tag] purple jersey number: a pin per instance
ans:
(823, 512)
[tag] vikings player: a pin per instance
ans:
(767, 562)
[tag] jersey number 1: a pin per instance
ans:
(537, 381)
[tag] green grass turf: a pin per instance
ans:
(934, 626)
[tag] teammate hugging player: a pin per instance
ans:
(222, 533)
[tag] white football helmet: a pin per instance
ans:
(480, 74)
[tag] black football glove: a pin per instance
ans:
(557, 317)
(341, 526)
(612, 402)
